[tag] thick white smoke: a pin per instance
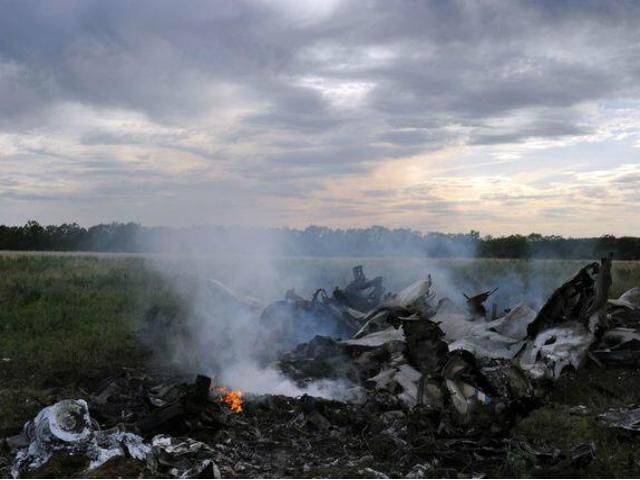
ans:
(226, 339)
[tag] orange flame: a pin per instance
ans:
(233, 398)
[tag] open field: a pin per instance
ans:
(66, 322)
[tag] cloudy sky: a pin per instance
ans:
(504, 117)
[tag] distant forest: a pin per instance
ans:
(312, 241)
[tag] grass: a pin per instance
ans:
(65, 322)
(554, 426)
(68, 321)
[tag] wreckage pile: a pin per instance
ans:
(432, 389)
(438, 355)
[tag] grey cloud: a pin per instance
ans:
(541, 126)
(436, 73)
(411, 137)
(630, 179)
(453, 60)
(109, 138)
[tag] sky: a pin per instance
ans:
(498, 116)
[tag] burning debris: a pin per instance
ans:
(427, 386)
(232, 398)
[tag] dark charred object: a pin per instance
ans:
(578, 299)
(361, 294)
(475, 304)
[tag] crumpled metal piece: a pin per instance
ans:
(582, 455)
(471, 395)
(580, 299)
(371, 473)
(421, 470)
(629, 299)
(377, 339)
(117, 443)
(361, 294)
(499, 339)
(623, 418)
(625, 311)
(619, 346)
(182, 457)
(410, 304)
(402, 381)
(555, 349)
(417, 296)
(564, 329)
(66, 426)
(475, 303)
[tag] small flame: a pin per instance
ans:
(233, 398)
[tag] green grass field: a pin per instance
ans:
(67, 322)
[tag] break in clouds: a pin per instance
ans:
(435, 115)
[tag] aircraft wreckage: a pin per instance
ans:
(432, 386)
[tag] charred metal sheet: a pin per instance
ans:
(577, 299)
(554, 349)
(475, 304)
(565, 328)
(361, 294)
(625, 311)
(629, 299)
(620, 347)
(426, 348)
(623, 418)
(470, 393)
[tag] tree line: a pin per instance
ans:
(312, 241)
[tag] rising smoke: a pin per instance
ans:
(225, 338)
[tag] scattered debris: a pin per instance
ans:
(583, 454)
(433, 389)
(66, 427)
(181, 458)
(580, 411)
(361, 294)
(565, 328)
(371, 473)
(579, 299)
(475, 304)
(623, 418)
(619, 346)
(626, 309)
(554, 349)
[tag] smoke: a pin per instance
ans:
(252, 378)
(221, 334)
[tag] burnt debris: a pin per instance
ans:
(426, 389)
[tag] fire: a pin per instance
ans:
(233, 398)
